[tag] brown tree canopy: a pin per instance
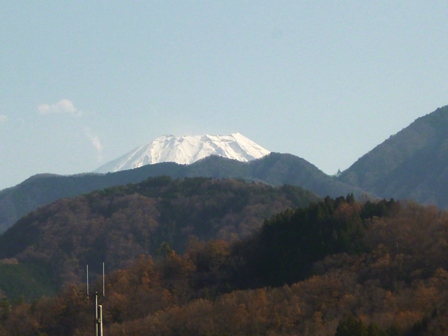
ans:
(397, 284)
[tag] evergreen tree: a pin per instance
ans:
(350, 326)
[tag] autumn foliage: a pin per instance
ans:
(336, 267)
(118, 224)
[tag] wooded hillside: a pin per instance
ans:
(118, 224)
(389, 278)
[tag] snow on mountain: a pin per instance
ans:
(186, 150)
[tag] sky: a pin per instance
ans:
(84, 82)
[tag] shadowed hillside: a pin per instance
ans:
(412, 164)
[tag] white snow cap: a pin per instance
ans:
(186, 150)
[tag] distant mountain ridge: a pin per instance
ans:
(412, 164)
(274, 169)
(186, 150)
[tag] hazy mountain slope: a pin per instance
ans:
(43, 189)
(186, 150)
(411, 164)
(279, 169)
(275, 169)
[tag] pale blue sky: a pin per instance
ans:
(83, 82)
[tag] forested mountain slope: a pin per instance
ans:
(389, 278)
(274, 169)
(412, 164)
(116, 225)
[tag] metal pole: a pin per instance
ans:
(96, 314)
(104, 288)
(100, 320)
(87, 280)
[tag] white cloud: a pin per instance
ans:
(3, 119)
(62, 106)
(96, 143)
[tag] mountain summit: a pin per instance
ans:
(186, 150)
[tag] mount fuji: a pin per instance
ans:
(186, 150)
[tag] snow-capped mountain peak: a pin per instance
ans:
(186, 150)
